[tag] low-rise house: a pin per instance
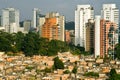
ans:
(99, 61)
(118, 70)
(105, 69)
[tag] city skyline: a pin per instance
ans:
(65, 8)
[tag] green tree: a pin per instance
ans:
(113, 74)
(47, 70)
(58, 64)
(19, 39)
(43, 46)
(5, 44)
(91, 74)
(29, 44)
(6, 41)
(75, 71)
(55, 46)
(66, 72)
(117, 51)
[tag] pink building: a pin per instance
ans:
(67, 36)
(107, 37)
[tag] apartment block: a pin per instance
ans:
(90, 35)
(105, 37)
(36, 16)
(52, 26)
(82, 14)
(10, 20)
(111, 12)
(108, 38)
(50, 29)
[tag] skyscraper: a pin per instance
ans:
(105, 37)
(97, 35)
(10, 17)
(90, 35)
(53, 27)
(111, 12)
(36, 16)
(82, 14)
(27, 25)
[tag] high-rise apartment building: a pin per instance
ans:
(10, 18)
(108, 38)
(50, 29)
(105, 37)
(90, 35)
(111, 12)
(82, 14)
(97, 35)
(53, 27)
(41, 23)
(27, 25)
(36, 16)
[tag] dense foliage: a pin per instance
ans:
(113, 75)
(31, 44)
(74, 70)
(117, 51)
(91, 74)
(56, 65)
(66, 72)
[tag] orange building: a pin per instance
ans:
(107, 37)
(50, 29)
(52, 26)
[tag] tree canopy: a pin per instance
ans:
(117, 51)
(58, 64)
(32, 44)
(113, 75)
(93, 74)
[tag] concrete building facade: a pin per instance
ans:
(10, 16)
(36, 16)
(53, 27)
(111, 12)
(27, 25)
(97, 36)
(105, 37)
(41, 23)
(82, 14)
(108, 38)
(90, 35)
(50, 29)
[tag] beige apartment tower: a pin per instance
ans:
(90, 35)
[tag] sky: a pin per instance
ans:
(64, 7)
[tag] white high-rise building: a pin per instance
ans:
(10, 16)
(97, 35)
(82, 14)
(111, 12)
(36, 16)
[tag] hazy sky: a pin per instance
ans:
(64, 7)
